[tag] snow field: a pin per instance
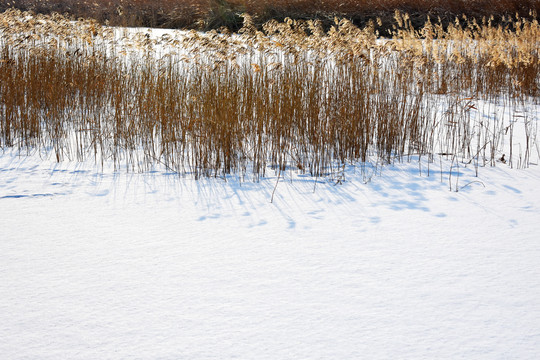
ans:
(97, 264)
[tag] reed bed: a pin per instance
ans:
(213, 14)
(291, 96)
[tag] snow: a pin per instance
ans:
(104, 264)
(116, 265)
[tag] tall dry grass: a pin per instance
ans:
(213, 14)
(293, 97)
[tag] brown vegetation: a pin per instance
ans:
(290, 97)
(213, 14)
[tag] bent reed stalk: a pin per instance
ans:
(289, 97)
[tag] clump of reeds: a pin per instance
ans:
(291, 96)
(213, 14)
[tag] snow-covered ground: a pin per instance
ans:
(102, 265)
(98, 264)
